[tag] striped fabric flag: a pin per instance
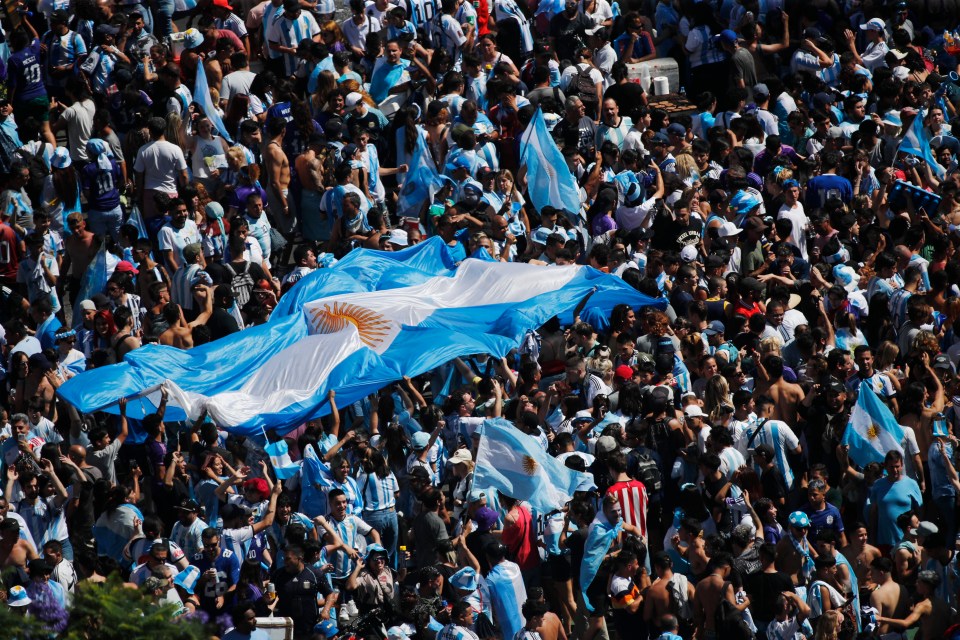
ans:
(916, 142)
(201, 95)
(872, 430)
(283, 466)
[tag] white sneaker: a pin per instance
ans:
(352, 609)
(344, 615)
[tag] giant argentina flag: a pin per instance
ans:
(346, 334)
(549, 181)
(916, 142)
(516, 465)
(872, 430)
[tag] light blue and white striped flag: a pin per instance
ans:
(549, 180)
(872, 430)
(201, 95)
(351, 335)
(517, 465)
(283, 466)
(916, 142)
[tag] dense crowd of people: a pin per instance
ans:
(798, 222)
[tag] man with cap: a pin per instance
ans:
(873, 56)
(769, 122)
(660, 151)
(810, 57)
(637, 204)
(187, 530)
(65, 50)
(372, 580)
(743, 71)
(795, 554)
(102, 61)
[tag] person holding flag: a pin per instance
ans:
(605, 537)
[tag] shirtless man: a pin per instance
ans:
(708, 594)
(890, 598)
(690, 544)
(860, 553)
(551, 628)
(80, 248)
(657, 601)
(14, 552)
(790, 560)
(180, 332)
(278, 177)
(930, 610)
(786, 395)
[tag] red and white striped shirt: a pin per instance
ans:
(633, 500)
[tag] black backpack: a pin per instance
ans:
(584, 85)
(241, 284)
(648, 472)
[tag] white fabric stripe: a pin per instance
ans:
(475, 284)
(288, 377)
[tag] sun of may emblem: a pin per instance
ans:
(873, 431)
(334, 317)
(529, 465)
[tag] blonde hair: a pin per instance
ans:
(716, 393)
(886, 355)
(686, 166)
(828, 625)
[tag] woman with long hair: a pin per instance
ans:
(716, 396)
(507, 191)
(104, 329)
(61, 194)
(238, 109)
(326, 85)
(408, 133)
(333, 37)
(379, 488)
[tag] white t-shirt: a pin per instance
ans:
(236, 83)
(79, 118)
(160, 162)
(631, 218)
(177, 239)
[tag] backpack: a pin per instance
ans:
(241, 284)
(730, 624)
(584, 84)
(648, 472)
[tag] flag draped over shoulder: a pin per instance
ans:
(916, 142)
(353, 328)
(872, 430)
(549, 181)
(516, 464)
(599, 538)
(201, 95)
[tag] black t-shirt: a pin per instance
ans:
(477, 542)
(764, 589)
(297, 598)
(774, 486)
(672, 235)
(627, 94)
(221, 323)
(567, 33)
